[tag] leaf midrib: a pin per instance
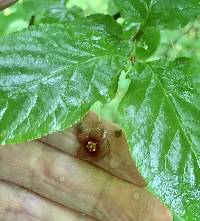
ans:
(172, 107)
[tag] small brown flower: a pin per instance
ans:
(94, 145)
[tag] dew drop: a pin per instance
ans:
(145, 46)
(136, 196)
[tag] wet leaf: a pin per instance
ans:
(160, 14)
(162, 120)
(50, 75)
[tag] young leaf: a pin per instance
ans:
(147, 44)
(162, 121)
(161, 14)
(50, 75)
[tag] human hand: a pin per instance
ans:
(61, 187)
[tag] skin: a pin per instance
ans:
(19, 204)
(118, 162)
(55, 185)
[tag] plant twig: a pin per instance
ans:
(6, 3)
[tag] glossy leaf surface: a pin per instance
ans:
(163, 14)
(162, 120)
(50, 75)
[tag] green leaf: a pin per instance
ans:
(60, 14)
(53, 11)
(195, 67)
(162, 121)
(148, 43)
(38, 7)
(164, 14)
(160, 14)
(195, 71)
(50, 75)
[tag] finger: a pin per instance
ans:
(77, 184)
(118, 161)
(19, 204)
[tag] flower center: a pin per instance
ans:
(91, 146)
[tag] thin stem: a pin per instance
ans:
(6, 3)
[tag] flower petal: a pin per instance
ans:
(83, 138)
